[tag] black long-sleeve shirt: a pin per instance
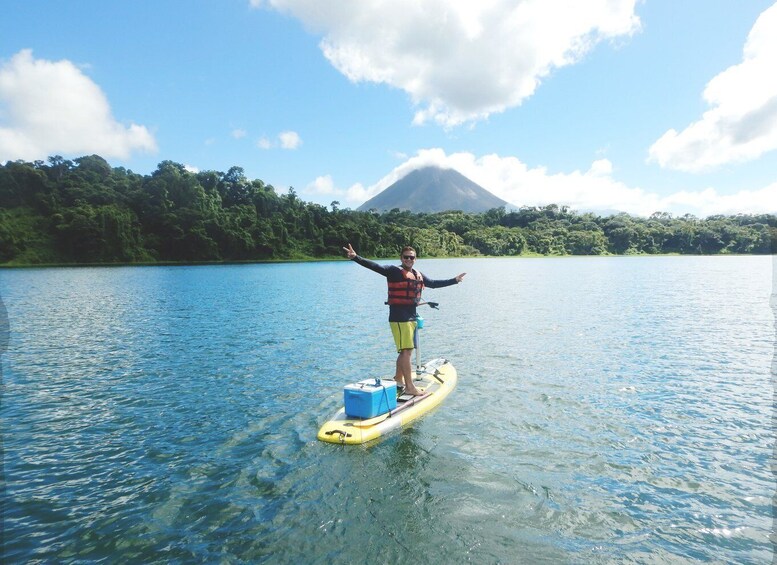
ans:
(394, 274)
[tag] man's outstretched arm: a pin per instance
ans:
(353, 256)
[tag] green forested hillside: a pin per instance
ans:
(85, 211)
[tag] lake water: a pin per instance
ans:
(609, 410)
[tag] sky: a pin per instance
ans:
(600, 105)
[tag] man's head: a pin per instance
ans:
(408, 257)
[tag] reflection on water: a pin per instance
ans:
(608, 410)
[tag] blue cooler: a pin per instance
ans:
(371, 397)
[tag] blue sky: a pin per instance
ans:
(600, 105)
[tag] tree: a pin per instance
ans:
(496, 240)
(586, 243)
(235, 189)
(85, 211)
(22, 184)
(105, 234)
(621, 234)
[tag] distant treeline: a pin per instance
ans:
(85, 211)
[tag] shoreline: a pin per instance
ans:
(327, 259)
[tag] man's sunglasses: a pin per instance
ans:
(409, 257)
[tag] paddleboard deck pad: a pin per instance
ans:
(436, 379)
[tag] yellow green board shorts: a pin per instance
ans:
(404, 334)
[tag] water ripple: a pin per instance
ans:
(610, 410)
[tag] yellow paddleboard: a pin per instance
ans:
(436, 379)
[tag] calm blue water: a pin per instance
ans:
(609, 410)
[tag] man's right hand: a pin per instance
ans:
(349, 251)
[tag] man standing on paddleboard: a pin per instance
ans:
(404, 294)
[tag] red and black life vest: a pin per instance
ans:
(406, 292)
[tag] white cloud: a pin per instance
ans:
(741, 124)
(595, 189)
(264, 143)
(290, 140)
(459, 60)
(238, 133)
(51, 107)
(324, 187)
(285, 140)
